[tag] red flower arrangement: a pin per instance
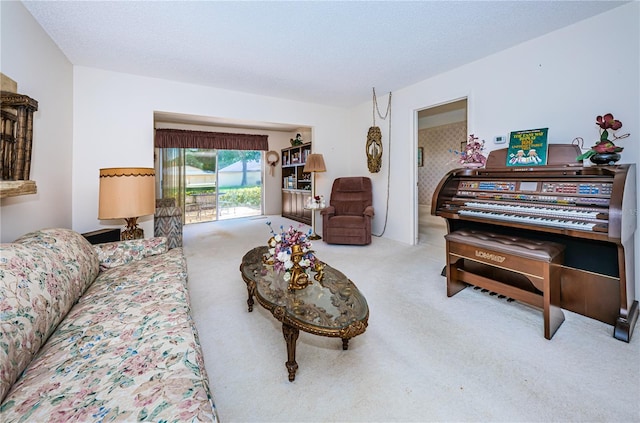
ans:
(605, 145)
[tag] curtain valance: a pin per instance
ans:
(181, 138)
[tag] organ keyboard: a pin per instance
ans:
(590, 210)
(541, 220)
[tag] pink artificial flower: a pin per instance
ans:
(608, 122)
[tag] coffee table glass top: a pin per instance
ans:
(326, 307)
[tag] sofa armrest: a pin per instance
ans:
(368, 211)
(113, 254)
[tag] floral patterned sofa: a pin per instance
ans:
(98, 332)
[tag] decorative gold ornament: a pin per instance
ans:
(269, 260)
(299, 278)
(319, 268)
(374, 149)
(374, 136)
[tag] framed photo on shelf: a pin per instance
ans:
(463, 146)
(420, 156)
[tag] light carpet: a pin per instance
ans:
(424, 357)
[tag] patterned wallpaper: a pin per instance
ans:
(437, 142)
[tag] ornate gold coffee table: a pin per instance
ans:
(333, 307)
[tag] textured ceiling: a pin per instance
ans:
(326, 52)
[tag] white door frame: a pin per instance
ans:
(414, 154)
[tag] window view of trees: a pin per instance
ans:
(229, 157)
(202, 159)
(222, 184)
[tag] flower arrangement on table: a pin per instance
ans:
(605, 151)
(290, 253)
(472, 155)
(315, 202)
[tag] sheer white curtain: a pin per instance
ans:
(172, 182)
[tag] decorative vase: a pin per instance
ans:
(472, 165)
(605, 158)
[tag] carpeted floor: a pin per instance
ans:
(424, 357)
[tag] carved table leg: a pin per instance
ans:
(251, 290)
(291, 336)
(345, 343)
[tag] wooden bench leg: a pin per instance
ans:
(553, 315)
(453, 283)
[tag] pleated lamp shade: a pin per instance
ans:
(314, 163)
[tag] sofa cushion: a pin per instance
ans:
(42, 274)
(128, 351)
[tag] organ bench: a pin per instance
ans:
(525, 270)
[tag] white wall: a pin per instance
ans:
(562, 80)
(113, 126)
(43, 73)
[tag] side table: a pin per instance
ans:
(313, 206)
(103, 235)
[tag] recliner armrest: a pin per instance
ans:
(330, 211)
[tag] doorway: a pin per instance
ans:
(441, 131)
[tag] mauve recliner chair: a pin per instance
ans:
(347, 220)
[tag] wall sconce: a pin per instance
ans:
(127, 193)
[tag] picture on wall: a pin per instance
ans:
(420, 156)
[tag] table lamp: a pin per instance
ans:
(314, 164)
(127, 193)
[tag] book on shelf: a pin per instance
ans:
(528, 148)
